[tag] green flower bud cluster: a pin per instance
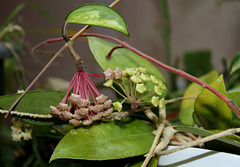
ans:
(136, 85)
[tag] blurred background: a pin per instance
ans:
(211, 26)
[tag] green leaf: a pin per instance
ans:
(187, 106)
(235, 64)
(198, 63)
(98, 15)
(234, 95)
(122, 58)
(35, 102)
(112, 140)
(211, 111)
(232, 140)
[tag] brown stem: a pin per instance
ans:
(123, 44)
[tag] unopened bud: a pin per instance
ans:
(107, 112)
(101, 99)
(55, 111)
(63, 106)
(75, 122)
(67, 114)
(108, 83)
(140, 88)
(154, 101)
(136, 79)
(118, 73)
(117, 106)
(109, 74)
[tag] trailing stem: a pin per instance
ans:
(123, 44)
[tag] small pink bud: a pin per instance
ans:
(63, 107)
(77, 116)
(67, 114)
(118, 73)
(107, 112)
(101, 98)
(107, 103)
(96, 108)
(97, 116)
(74, 98)
(108, 74)
(55, 111)
(87, 121)
(75, 122)
(82, 111)
(83, 103)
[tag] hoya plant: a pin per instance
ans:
(131, 130)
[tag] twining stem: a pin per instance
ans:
(51, 61)
(154, 145)
(203, 140)
(229, 102)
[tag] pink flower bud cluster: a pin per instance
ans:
(84, 112)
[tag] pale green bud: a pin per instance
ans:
(140, 88)
(153, 79)
(158, 90)
(117, 106)
(161, 84)
(136, 79)
(144, 77)
(124, 73)
(143, 70)
(132, 71)
(108, 83)
(154, 101)
(161, 103)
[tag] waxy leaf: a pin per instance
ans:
(211, 111)
(122, 58)
(187, 106)
(234, 95)
(98, 15)
(235, 64)
(232, 140)
(35, 102)
(111, 140)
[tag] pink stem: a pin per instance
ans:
(123, 44)
(92, 86)
(95, 74)
(65, 99)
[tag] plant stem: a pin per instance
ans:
(229, 102)
(154, 145)
(203, 140)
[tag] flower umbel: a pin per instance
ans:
(87, 102)
(136, 87)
